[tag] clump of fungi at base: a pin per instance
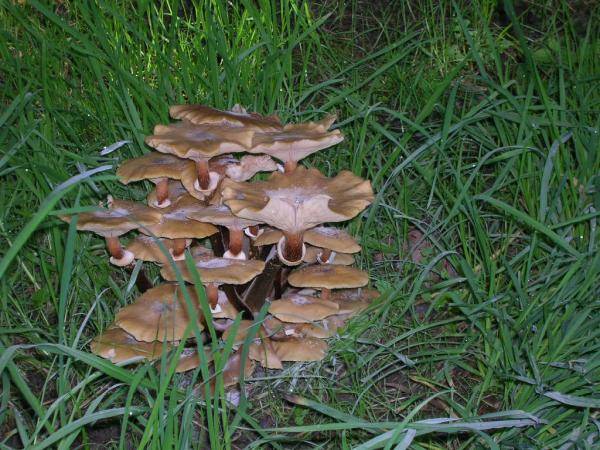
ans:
(252, 242)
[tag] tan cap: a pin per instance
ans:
(244, 328)
(237, 117)
(353, 301)
(199, 142)
(296, 141)
(282, 330)
(190, 359)
(121, 216)
(160, 313)
(116, 345)
(332, 238)
(152, 166)
(301, 309)
(217, 270)
(269, 236)
(146, 248)
(328, 276)
(312, 253)
(300, 349)
(233, 369)
(176, 191)
(221, 215)
(263, 351)
(299, 200)
(249, 166)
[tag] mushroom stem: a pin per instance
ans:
(236, 240)
(162, 191)
(324, 256)
(292, 246)
(114, 247)
(203, 174)
(290, 166)
(179, 247)
(212, 293)
(325, 294)
(253, 231)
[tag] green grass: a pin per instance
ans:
(479, 128)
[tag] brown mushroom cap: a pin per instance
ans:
(282, 330)
(190, 359)
(332, 238)
(217, 270)
(199, 142)
(146, 248)
(296, 141)
(263, 351)
(176, 192)
(160, 313)
(353, 301)
(221, 215)
(121, 217)
(299, 200)
(300, 309)
(152, 166)
(225, 310)
(218, 165)
(312, 253)
(233, 369)
(328, 276)
(269, 236)
(249, 166)
(116, 345)
(244, 328)
(300, 349)
(200, 114)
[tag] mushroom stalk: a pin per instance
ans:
(203, 174)
(325, 294)
(114, 247)
(253, 231)
(179, 247)
(236, 240)
(162, 191)
(324, 256)
(292, 246)
(290, 166)
(212, 293)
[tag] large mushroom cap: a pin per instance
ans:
(152, 166)
(296, 141)
(301, 309)
(199, 142)
(299, 200)
(200, 114)
(328, 276)
(121, 217)
(300, 349)
(217, 270)
(116, 345)
(161, 313)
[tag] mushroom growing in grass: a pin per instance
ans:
(200, 143)
(121, 217)
(116, 345)
(296, 202)
(222, 215)
(296, 141)
(249, 166)
(147, 248)
(157, 168)
(296, 308)
(238, 117)
(176, 224)
(327, 277)
(214, 272)
(160, 313)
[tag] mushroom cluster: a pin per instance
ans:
(251, 242)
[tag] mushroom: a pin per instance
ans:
(175, 224)
(215, 271)
(301, 309)
(190, 359)
(300, 349)
(249, 166)
(157, 168)
(116, 345)
(327, 277)
(222, 215)
(121, 217)
(175, 189)
(217, 166)
(160, 313)
(233, 369)
(146, 248)
(281, 330)
(296, 141)
(200, 143)
(332, 241)
(315, 255)
(296, 202)
(237, 117)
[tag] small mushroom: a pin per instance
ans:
(221, 215)
(200, 143)
(326, 256)
(332, 241)
(296, 202)
(281, 330)
(121, 217)
(296, 141)
(301, 309)
(116, 345)
(158, 168)
(160, 313)
(146, 248)
(215, 271)
(327, 277)
(300, 349)
(249, 166)
(263, 351)
(237, 117)
(175, 189)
